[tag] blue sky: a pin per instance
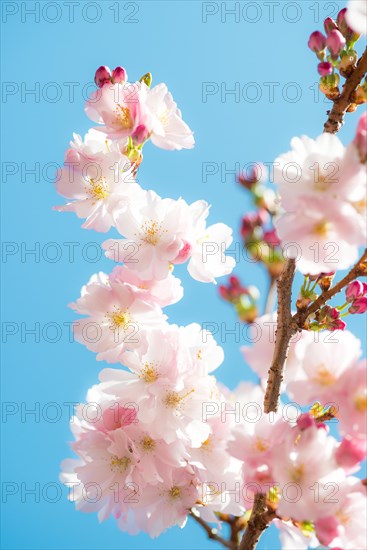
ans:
(202, 51)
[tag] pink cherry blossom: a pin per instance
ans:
(323, 359)
(117, 318)
(99, 179)
(346, 528)
(352, 401)
(161, 232)
(319, 168)
(127, 109)
(322, 239)
(120, 108)
(166, 127)
(302, 465)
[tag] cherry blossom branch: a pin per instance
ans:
(360, 269)
(212, 532)
(259, 520)
(283, 336)
(336, 116)
(288, 325)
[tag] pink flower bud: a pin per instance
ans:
(102, 76)
(271, 238)
(360, 141)
(119, 75)
(305, 421)
(325, 68)
(328, 318)
(330, 25)
(335, 42)
(354, 290)
(140, 135)
(340, 19)
(350, 453)
(359, 305)
(252, 220)
(316, 42)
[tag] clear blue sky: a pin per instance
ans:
(185, 44)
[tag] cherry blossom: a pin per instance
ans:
(133, 109)
(117, 319)
(322, 362)
(161, 232)
(99, 179)
(315, 171)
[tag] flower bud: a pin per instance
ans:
(340, 20)
(328, 318)
(316, 42)
(330, 25)
(360, 141)
(359, 305)
(147, 79)
(325, 68)
(256, 174)
(335, 42)
(119, 75)
(304, 421)
(252, 220)
(102, 76)
(347, 63)
(140, 135)
(350, 453)
(271, 238)
(354, 290)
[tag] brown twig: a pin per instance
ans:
(283, 336)
(336, 116)
(212, 532)
(260, 518)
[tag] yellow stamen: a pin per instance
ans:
(360, 402)
(98, 189)
(323, 376)
(173, 399)
(123, 117)
(119, 464)
(148, 444)
(149, 373)
(118, 318)
(152, 232)
(322, 228)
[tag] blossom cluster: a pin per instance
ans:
(159, 438)
(146, 456)
(322, 190)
